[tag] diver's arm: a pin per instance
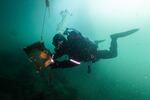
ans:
(58, 53)
(63, 64)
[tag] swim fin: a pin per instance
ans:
(123, 34)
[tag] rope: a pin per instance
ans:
(42, 33)
(44, 18)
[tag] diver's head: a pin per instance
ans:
(58, 40)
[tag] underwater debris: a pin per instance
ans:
(38, 55)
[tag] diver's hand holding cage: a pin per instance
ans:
(39, 55)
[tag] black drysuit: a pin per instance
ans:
(81, 49)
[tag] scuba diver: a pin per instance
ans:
(80, 49)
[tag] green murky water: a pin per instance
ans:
(126, 77)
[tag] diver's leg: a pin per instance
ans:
(106, 54)
(112, 52)
(63, 64)
(98, 41)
